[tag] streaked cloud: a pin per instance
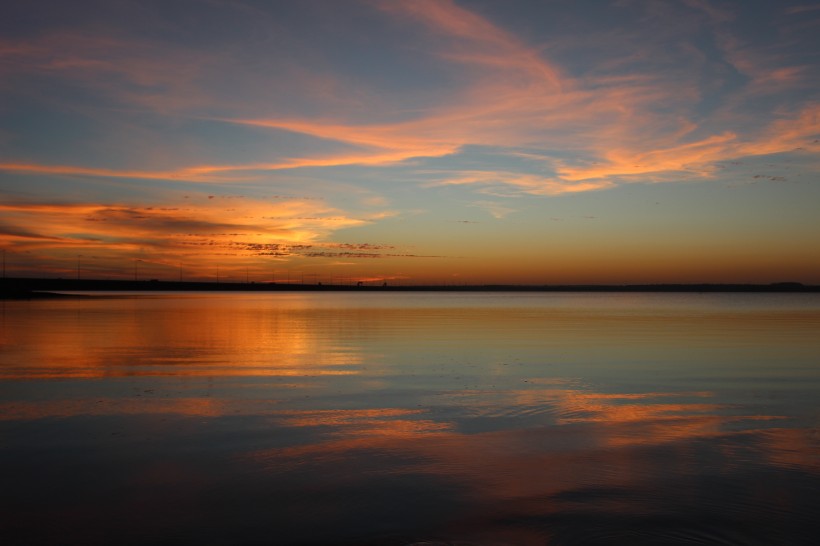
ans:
(194, 231)
(517, 98)
(430, 109)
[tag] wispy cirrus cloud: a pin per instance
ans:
(605, 123)
(698, 158)
(226, 174)
(515, 183)
(611, 129)
(202, 173)
(397, 109)
(478, 41)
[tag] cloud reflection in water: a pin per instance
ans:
(297, 420)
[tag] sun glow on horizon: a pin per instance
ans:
(426, 141)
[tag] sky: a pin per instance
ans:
(411, 141)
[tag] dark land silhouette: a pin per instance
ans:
(37, 288)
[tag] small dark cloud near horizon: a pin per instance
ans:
(366, 255)
(318, 250)
(325, 254)
(359, 246)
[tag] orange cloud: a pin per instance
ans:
(524, 183)
(699, 157)
(514, 97)
(195, 230)
(528, 467)
(221, 174)
(634, 159)
(588, 130)
(201, 173)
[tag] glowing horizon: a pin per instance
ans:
(419, 141)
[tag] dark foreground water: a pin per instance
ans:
(395, 419)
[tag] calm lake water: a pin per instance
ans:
(396, 419)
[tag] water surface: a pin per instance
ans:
(394, 419)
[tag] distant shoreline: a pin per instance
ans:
(15, 288)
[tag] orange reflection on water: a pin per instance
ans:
(522, 464)
(532, 463)
(343, 417)
(794, 448)
(387, 423)
(183, 336)
(531, 411)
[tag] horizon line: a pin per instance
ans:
(39, 284)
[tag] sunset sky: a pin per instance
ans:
(415, 141)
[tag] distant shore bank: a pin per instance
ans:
(39, 288)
